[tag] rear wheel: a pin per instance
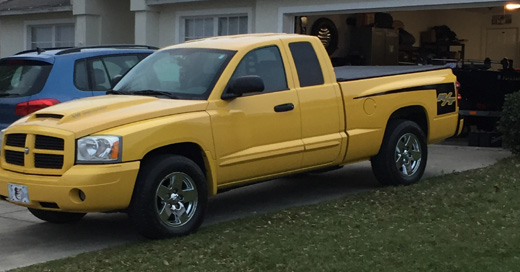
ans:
(169, 198)
(56, 217)
(403, 154)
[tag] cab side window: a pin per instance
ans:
(307, 64)
(266, 63)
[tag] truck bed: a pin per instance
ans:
(347, 73)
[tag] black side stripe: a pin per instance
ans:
(437, 87)
(446, 95)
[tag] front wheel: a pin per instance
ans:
(403, 154)
(169, 197)
(56, 217)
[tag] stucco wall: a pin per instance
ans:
(103, 22)
(468, 18)
(117, 22)
(114, 21)
(171, 15)
(13, 34)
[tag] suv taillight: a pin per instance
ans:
(29, 107)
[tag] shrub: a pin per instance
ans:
(509, 124)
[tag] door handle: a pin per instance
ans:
(284, 107)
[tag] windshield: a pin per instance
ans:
(184, 73)
(22, 77)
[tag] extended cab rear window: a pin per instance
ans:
(307, 64)
(22, 77)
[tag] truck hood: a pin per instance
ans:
(94, 114)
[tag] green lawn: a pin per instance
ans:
(457, 222)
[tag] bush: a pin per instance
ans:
(509, 124)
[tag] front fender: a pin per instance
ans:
(142, 137)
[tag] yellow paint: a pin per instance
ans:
(241, 140)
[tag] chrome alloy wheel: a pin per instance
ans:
(177, 199)
(408, 154)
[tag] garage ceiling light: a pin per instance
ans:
(512, 6)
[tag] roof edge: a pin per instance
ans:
(164, 2)
(35, 11)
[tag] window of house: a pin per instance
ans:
(209, 26)
(47, 36)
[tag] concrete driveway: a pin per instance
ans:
(26, 240)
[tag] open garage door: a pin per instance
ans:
(394, 37)
(479, 43)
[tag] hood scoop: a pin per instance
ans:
(48, 116)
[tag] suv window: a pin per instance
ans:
(96, 74)
(22, 77)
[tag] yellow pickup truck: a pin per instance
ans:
(205, 116)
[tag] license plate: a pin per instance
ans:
(18, 193)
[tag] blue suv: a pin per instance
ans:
(35, 79)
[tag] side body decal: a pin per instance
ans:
(446, 96)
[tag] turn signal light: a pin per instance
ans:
(29, 107)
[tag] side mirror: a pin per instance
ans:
(243, 85)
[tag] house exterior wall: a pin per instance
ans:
(103, 22)
(468, 18)
(161, 22)
(171, 16)
(14, 29)
(96, 22)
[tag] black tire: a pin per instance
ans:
(403, 154)
(56, 217)
(169, 198)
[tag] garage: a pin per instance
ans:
(480, 43)
(438, 34)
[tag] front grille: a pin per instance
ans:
(48, 161)
(34, 151)
(50, 143)
(17, 140)
(14, 157)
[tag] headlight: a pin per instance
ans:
(98, 149)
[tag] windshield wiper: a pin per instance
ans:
(118, 92)
(154, 92)
(144, 92)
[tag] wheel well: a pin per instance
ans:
(416, 114)
(189, 150)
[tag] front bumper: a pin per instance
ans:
(105, 187)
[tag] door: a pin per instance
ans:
(258, 134)
(502, 43)
(320, 106)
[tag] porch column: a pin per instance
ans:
(146, 23)
(88, 22)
